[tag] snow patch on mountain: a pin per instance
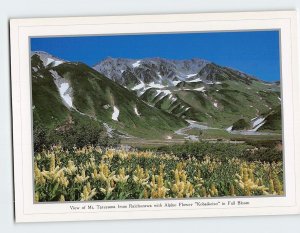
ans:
(176, 82)
(173, 99)
(166, 92)
(115, 114)
(257, 123)
(156, 85)
(229, 129)
(200, 89)
(213, 83)
(136, 64)
(195, 80)
(54, 62)
(142, 87)
(257, 127)
(190, 75)
(163, 93)
(136, 111)
(64, 88)
(139, 86)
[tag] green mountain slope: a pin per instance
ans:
(219, 105)
(47, 104)
(92, 96)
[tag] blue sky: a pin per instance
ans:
(256, 53)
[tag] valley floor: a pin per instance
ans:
(197, 131)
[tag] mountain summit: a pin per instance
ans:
(140, 74)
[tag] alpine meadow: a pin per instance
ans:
(157, 116)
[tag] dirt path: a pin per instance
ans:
(193, 125)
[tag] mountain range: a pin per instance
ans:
(152, 97)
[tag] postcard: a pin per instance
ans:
(155, 116)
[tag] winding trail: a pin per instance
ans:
(193, 125)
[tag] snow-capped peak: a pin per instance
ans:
(48, 59)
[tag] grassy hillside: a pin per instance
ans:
(94, 97)
(219, 105)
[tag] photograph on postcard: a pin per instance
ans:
(157, 116)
